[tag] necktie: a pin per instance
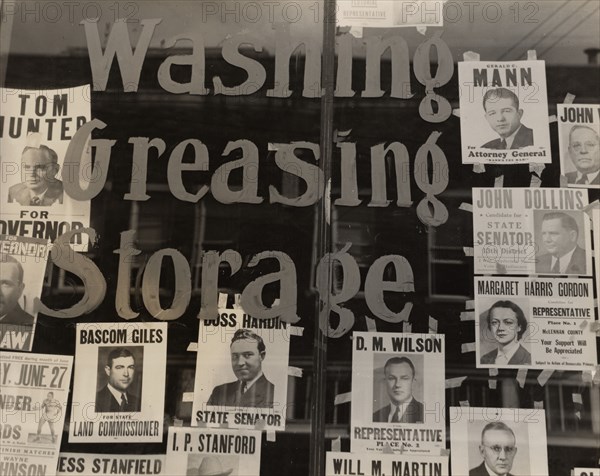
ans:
(503, 144)
(35, 201)
(243, 388)
(396, 417)
(583, 180)
(123, 402)
(556, 267)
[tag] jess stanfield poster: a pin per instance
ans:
(108, 465)
(578, 133)
(22, 268)
(390, 13)
(398, 393)
(35, 130)
(504, 112)
(119, 386)
(529, 231)
(211, 451)
(349, 464)
(241, 372)
(505, 440)
(540, 323)
(35, 389)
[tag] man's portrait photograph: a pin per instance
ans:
(12, 288)
(498, 441)
(212, 465)
(503, 112)
(502, 327)
(560, 239)
(251, 387)
(39, 186)
(397, 388)
(119, 379)
(579, 145)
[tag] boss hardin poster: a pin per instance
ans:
(398, 393)
(35, 389)
(36, 127)
(210, 451)
(508, 441)
(22, 269)
(541, 323)
(504, 112)
(241, 371)
(352, 464)
(119, 385)
(527, 231)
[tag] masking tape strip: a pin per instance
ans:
(467, 207)
(342, 398)
(187, 397)
(467, 316)
(455, 382)
(522, 377)
(192, 347)
(544, 376)
(468, 347)
(295, 371)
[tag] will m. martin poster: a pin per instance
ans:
(398, 393)
(36, 127)
(35, 389)
(349, 464)
(119, 387)
(504, 112)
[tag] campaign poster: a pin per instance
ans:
(35, 389)
(36, 127)
(596, 226)
(390, 13)
(213, 451)
(22, 268)
(578, 133)
(530, 231)
(398, 393)
(108, 465)
(504, 112)
(586, 472)
(119, 385)
(540, 323)
(347, 464)
(505, 440)
(241, 372)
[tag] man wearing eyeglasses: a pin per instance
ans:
(584, 150)
(40, 187)
(507, 323)
(498, 450)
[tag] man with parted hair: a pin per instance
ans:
(251, 389)
(498, 449)
(584, 150)
(40, 187)
(115, 395)
(507, 323)
(504, 115)
(11, 289)
(399, 378)
(564, 256)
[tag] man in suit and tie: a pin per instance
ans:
(11, 290)
(251, 389)
(507, 323)
(503, 114)
(399, 378)
(40, 187)
(584, 150)
(115, 395)
(498, 450)
(564, 256)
